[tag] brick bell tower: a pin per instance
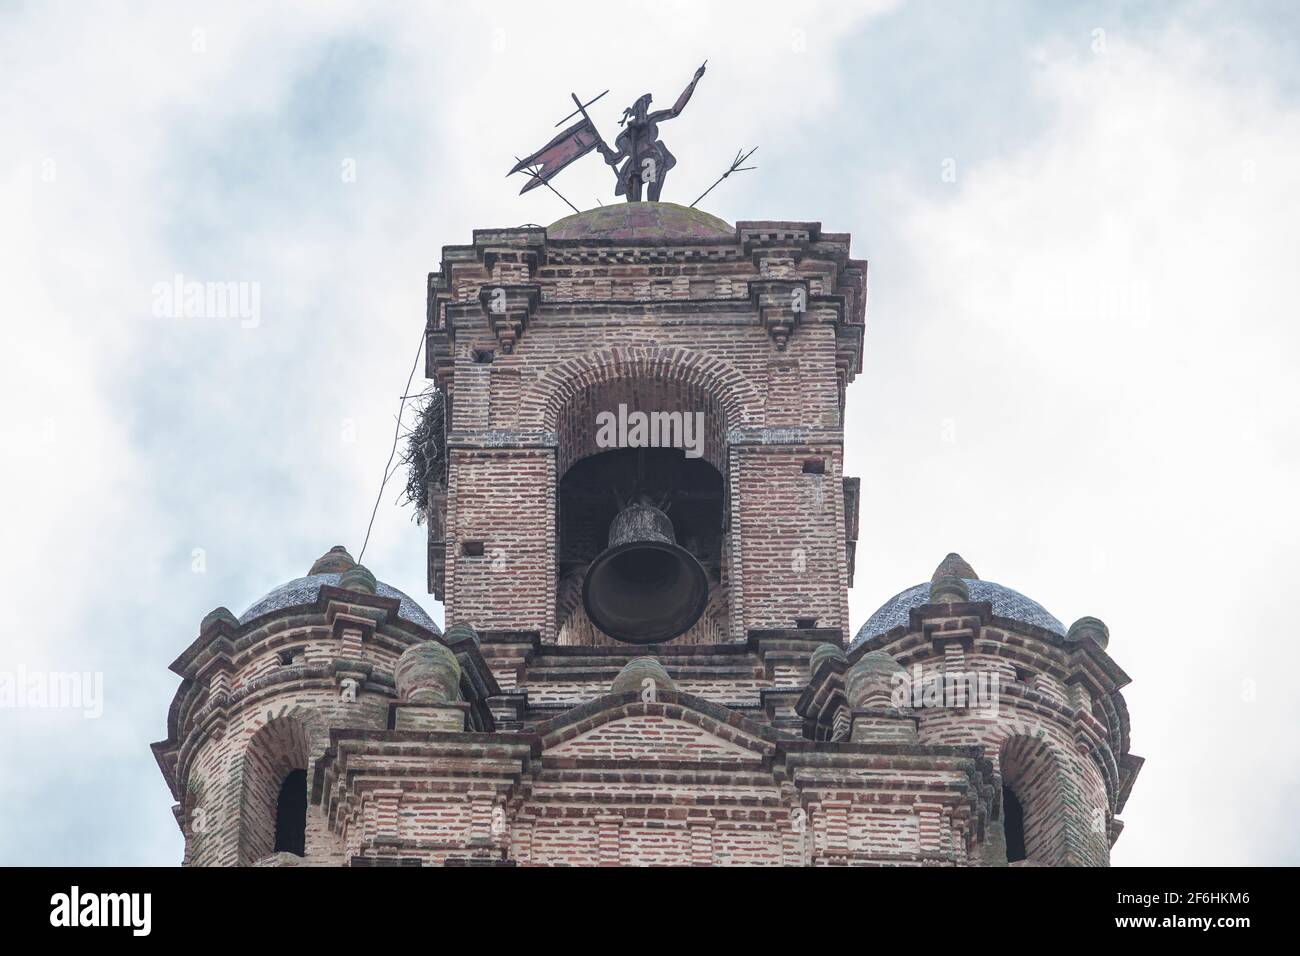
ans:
(672, 328)
(644, 540)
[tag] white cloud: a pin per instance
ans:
(1106, 317)
(1101, 315)
(208, 141)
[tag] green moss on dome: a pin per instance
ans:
(641, 220)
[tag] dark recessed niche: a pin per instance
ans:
(593, 491)
(291, 814)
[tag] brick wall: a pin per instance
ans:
(532, 339)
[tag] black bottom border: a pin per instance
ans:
(299, 904)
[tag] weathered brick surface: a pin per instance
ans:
(745, 755)
(530, 338)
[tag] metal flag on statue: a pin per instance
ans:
(573, 143)
(644, 157)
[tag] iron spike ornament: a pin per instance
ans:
(639, 158)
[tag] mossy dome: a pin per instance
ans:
(1006, 602)
(640, 221)
(331, 568)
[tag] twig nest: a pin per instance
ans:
(1089, 627)
(636, 671)
(428, 673)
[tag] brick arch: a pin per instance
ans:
(1029, 749)
(1058, 798)
(736, 395)
(1032, 770)
(293, 740)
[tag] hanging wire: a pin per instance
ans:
(397, 431)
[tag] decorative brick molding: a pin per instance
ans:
(524, 735)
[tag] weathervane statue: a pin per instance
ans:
(644, 157)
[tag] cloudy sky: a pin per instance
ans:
(1081, 339)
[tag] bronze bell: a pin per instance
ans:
(644, 588)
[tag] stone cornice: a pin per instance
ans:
(487, 763)
(527, 254)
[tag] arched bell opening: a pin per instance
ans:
(641, 544)
(1034, 808)
(654, 434)
(273, 798)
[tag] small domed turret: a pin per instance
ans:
(951, 578)
(336, 568)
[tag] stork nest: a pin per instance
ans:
(425, 453)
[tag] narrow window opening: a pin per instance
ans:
(1013, 823)
(814, 466)
(291, 814)
(471, 549)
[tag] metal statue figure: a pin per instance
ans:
(646, 160)
(644, 157)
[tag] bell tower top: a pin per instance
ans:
(644, 351)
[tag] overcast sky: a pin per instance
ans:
(1081, 223)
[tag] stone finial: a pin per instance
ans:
(635, 673)
(949, 589)
(954, 566)
(215, 615)
(358, 578)
(824, 652)
(459, 632)
(334, 561)
(428, 673)
(870, 681)
(1089, 627)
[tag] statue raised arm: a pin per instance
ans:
(682, 100)
(646, 160)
